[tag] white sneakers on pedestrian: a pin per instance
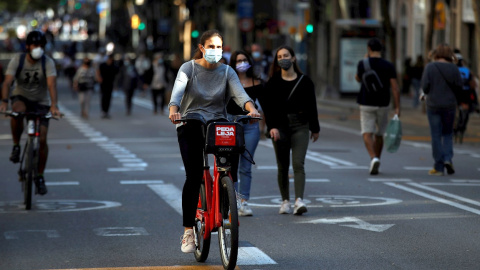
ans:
(244, 209)
(285, 207)
(300, 207)
(188, 242)
(374, 165)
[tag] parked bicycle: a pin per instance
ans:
(30, 156)
(217, 203)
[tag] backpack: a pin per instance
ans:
(21, 62)
(370, 78)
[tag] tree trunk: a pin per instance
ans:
(389, 30)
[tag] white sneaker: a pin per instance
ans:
(299, 207)
(245, 210)
(374, 164)
(188, 242)
(285, 207)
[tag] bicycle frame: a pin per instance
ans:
(212, 197)
(30, 157)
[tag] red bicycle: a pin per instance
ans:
(217, 202)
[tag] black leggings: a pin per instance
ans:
(191, 141)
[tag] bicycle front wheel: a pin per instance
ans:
(30, 168)
(228, 232)
(202, 243)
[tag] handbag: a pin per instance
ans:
(393, 134)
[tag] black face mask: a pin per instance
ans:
(285, 64)
(87, 63)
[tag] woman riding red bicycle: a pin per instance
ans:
(203, 86)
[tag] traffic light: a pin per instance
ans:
(141, 26)
(309, 28)
(135, 21)
(195, 34)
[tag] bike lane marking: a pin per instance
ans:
(433, 197)
(332, 162)
(176, 267)
(247, 253)
(362, 225)
(128, 160)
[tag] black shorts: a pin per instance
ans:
(33, 106)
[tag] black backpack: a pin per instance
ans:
(21, 62)
(370, 78)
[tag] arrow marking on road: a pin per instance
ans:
(362, 225)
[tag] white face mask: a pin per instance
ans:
(36, 53)
(212, 55)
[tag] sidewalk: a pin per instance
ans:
(344, 111)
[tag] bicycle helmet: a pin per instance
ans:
(36, 37)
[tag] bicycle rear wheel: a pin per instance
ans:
(31, 170)
(228, 232)
(202, 243)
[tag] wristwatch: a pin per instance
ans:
(5, 100)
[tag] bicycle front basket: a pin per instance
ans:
(224, 137)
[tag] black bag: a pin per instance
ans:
(224, 137)
(370, 78)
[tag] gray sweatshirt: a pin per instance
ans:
(439, 93)
(207, 91)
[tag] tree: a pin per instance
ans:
(389, 30)
(26, 5)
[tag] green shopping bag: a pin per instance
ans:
(393, 134)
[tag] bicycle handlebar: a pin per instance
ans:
(237, 118)
(42, 115)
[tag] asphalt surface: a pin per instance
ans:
(115, 188)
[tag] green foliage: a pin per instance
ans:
(26, 5)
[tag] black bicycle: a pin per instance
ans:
(30, 156)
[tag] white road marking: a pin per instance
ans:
(332, 162)
(389, 180)
(253, 256)
(435, 198)
(453, 184)
(362, 225)
(410, 168)
(58, 205)
(246, 255)
(446, 194)
(124, 169)
(12, 235)
(465, 181)
(66, 170)
(5, 137)
(312, 180)
(170, 194)
(141, 182)
(349, 167)
(123, 155)
(68, 183)
(120, 231)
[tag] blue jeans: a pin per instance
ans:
(441, 130)
(252, 136)
(416, 92)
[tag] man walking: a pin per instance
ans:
(106, 76)
(378, 78)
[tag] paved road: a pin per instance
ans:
(114, 188)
